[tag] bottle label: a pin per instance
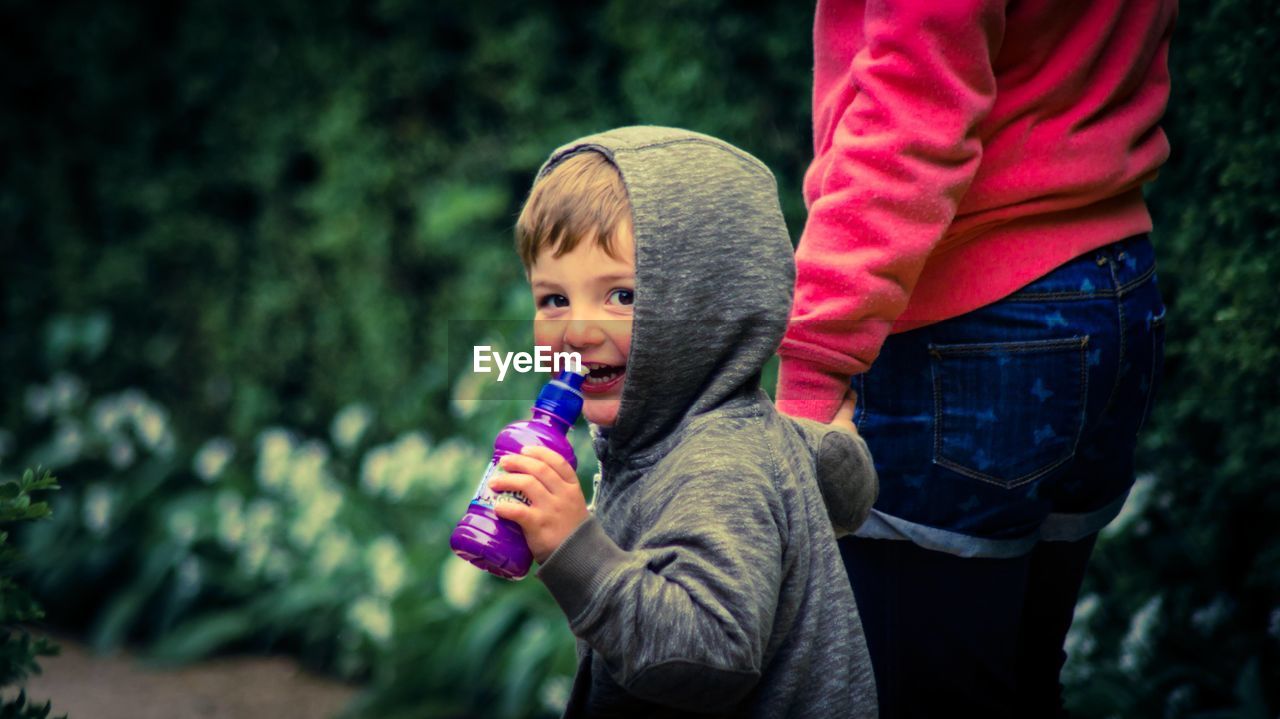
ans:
(486, 497)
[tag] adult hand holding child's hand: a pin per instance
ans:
(556, 505)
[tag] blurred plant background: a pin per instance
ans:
(237, 240)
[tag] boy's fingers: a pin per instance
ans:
(530, 487)
(564, 471)
(513, 511)
(534, 468)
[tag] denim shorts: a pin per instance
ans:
(1017, 422)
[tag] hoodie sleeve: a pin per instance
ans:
(683, 619)
(846, 473)
(901, 157)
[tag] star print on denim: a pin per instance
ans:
(1041, 392)
(1060, 448)
(982, 460)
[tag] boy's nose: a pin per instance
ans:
(582, 332)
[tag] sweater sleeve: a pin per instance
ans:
(901, 157)
(683, 619)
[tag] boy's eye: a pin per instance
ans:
(553, 301)
(623, 297)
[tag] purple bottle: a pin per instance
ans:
(483, 538)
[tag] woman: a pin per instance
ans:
(976, 259)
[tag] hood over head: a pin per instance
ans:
(714, 279)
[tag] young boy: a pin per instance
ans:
(706, 579)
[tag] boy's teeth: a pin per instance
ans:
(600, 375)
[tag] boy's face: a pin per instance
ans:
(584, 301)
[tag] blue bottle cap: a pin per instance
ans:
(562, 396)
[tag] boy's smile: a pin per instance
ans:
(584, 300)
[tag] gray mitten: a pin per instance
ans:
(846, 474)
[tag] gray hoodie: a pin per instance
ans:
(707, 580)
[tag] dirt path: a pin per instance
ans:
(84, 686)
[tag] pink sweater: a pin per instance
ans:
(962, 149)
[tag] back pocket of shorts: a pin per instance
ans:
(1008, 412)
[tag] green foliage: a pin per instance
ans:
(1199, 554)
(19, 651)
(244, 242)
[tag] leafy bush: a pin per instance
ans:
(19, 651)
(335, 548)
(1181, 609)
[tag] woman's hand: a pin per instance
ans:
(844, 415)
(556, 506)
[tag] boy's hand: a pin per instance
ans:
(556, 505)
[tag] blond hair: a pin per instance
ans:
(581, 198)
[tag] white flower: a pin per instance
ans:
(121, 453)
(373, 471)
(151, 424)
(231, 524)
(66, 392)
(333, 550)
(408, 464)
(277, 565)
(189, 576)
(373, 617)
(254, 555)
(318, 511)
(451, 462)
(386, 566)
(1086, 608)
(1179, 701)
(306, 471)
(1134, 506)
(275, 448)
(39, 401)
(1210, 617)
(1136, 645)
(1079, 641)
(99, 501)
(68, 441)
(466, 394)
(394, 470)
(554, 693)
(460, 583)
(212, 458)
(108, 414)
(349, 425)
(260, 518)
